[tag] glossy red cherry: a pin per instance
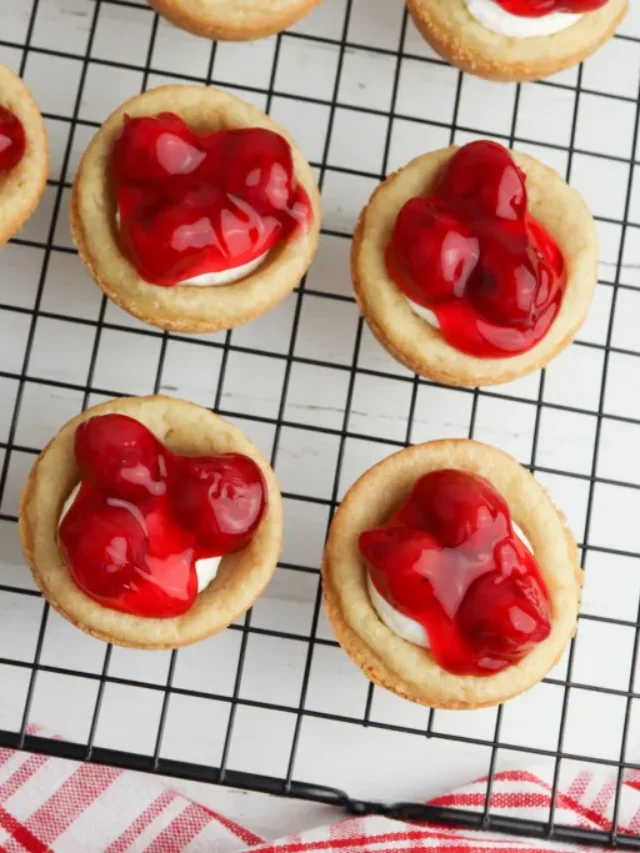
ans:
(144, 516)
(435, 252)
(506, 616)
(472, 253)
(222, 499)
(449, 559)
(106, 545)
(259, 169)
(193, 203)
(151, 148)
(195, 229)
(483, 180)
(453, 506)
(539, 8)
(13, 141)
(121, 458)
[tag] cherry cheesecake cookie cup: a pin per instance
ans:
(24, 154)
(151, 522)
(234, 20)
(450, 578)
(475, 265)
(193, 210)
(516, 40)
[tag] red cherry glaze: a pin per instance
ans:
(193, 203)
(540, 8)
(144, 516)
(449, 559)
(13, 142)
(472, 254)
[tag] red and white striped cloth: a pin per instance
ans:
(49, 805)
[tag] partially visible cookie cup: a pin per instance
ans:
(420, 346)
(21, 189)
(392, 662)
(233, 20)
(454, 33)
(185, 428)
(184, 308)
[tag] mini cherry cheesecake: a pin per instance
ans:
(151, 522)
(449, 576)
(24, 154)
(516, 40)
(475, 265)
(234, 20)
(193, 210)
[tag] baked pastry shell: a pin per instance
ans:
(21, 189)
(455, 34)
(406, 669)
(233, 20)
(184, 308)
(185, 428)
(420, 346)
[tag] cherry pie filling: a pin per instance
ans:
(540, 8)
(13, 141)
(192, 203)
(449, 559)
(144, 516)
(473, 255)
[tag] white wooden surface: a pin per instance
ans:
(375, 761)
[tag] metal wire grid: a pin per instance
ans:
(288, 784)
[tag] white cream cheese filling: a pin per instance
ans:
(492, 16)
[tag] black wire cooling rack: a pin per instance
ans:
(603, 357)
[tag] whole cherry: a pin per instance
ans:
(151, 148)
(432, 250)
(222, 499)
(258, 167)
(484, 178)
(13, 140)
(105, 544)
(121, 458)
(504, 617)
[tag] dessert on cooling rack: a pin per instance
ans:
(449, 576)
(151, 522)
(234, 20)
(516, 39)
(475, 265)
(193, 210)
(24, 154)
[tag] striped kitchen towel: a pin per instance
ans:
(50, 805)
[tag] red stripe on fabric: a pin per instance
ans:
(605, 796)
(26, 839)
(181, 831)
(79, 791)
(365, 841)
(240, 832)
(353, 841)
(522, 800)
(579, 785)
(134, 830)
(21, 775)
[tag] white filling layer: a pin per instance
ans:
(206, 569)
(427, 315)
(403, 626)
(215, 279)
(492, 16)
